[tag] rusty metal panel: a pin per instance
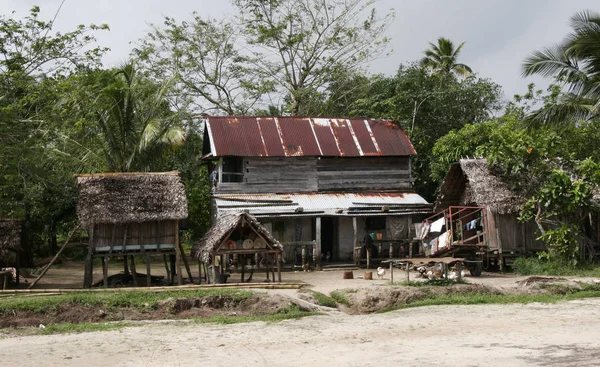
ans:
(345, 138)
(325, 138)
(234, 136)
(365, 137)
(391, 138)
(298, 137)
(270, 137)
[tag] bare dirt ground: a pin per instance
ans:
(564, 334)
(70, 275)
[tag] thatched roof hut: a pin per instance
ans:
(130, 198)
(130, 214)
(470, 181)
(220, 232)
(10, 242)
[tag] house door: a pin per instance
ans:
(329, 238)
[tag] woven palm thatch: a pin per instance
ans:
(222, 229)
(470, 182)
(130, 198)
(10, 242)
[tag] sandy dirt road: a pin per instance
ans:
(564, 334)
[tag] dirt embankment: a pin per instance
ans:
(350, 301)
(171, 308)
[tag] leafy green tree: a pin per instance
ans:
(301, 45)
(36, 183)
(428, 110)
(203, 58)
(574, 63)
(443, 58)
(128, 126)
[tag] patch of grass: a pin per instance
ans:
(430, 283)
(67, 327)
(340, 297)
(142, 300)
(324, 300)
(586, 291)
(287, 313)
(537, 266)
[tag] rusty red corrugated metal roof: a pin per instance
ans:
(305, 136)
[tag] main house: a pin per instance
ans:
(329, 181)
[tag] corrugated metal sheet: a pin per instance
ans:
(305, 136)
(343, 204)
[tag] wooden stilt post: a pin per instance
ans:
(368, 258)
(318, 243)
(88, 276)
(214, 269)
(391, 272)
(279, 268)
(125, 266)
(178, 256)
(134, 271)
(172, 267)
(148, 276)
(105, 271)
(169, 281)
(355, 231)
(186, 264)
(199, 272)
(243, 260)
(407, 273)
(303, 256)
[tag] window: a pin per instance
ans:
(233, 169)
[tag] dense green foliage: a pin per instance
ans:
(428, 106)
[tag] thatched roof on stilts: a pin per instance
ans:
(130, 197)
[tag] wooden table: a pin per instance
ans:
(423, 261)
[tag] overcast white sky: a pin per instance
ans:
(499, 33)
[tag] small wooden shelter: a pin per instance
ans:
(470, 182)
(13, 252)
(132, 214)
(239, 238)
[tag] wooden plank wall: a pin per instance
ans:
(275, 175)
(309, 174)
(146, 233)
(516, 236)
(364, 173)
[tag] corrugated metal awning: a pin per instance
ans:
(305, 136)
(322, 204)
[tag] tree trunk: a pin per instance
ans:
(53, 242)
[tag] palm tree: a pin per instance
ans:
(574, 63)
(135, 122)
(442, 58)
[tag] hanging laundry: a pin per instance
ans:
(471, 225)
(437, 225)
